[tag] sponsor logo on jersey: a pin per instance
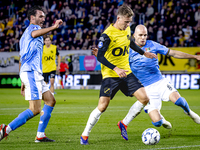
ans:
(34, 28)
(46, 58)
(118, 51)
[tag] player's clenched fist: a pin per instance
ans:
(58, 23)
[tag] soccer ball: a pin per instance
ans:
(150, 136)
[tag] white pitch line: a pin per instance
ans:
(173, 147)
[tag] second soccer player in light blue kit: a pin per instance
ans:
(33, 86)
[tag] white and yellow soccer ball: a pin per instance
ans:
(150, 136)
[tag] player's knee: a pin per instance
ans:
(158, 123)
(51, 102)
(102, 108)
(36, 111)
(52, 84)
(103, 103)
(144, 99)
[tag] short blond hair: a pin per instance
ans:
(125, 10)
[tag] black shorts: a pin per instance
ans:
(62, 74)
(46, 75)
(128, 86)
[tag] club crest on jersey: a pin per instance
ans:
(107, 90)
(34, 28)
(147, 49)
(100, 44)
(128, 37)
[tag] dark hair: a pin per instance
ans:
(46, 36)
(33, 11)
(125, 10)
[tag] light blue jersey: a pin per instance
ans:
(147, 69)
(31, 50)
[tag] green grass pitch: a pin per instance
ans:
(72, 110)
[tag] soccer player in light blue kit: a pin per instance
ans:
(33, 86)
(157, 87)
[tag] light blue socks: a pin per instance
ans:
(21, 119)
(183, 104)
(45, 115)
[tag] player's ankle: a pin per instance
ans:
(85, 137)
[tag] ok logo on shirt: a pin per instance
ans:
(118, 51)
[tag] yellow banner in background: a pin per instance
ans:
(168, 63)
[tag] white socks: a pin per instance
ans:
(93, 118)
(135, 109)
(8, 129)
(95, 115)
(40, 134)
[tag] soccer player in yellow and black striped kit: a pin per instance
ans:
(49, 67)
(113, 54)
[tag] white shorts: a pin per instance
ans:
(34, 85)
(158, 92)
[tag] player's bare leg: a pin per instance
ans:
(34, 109)
(158, 119)
(45, 116)
(180, 101)
(135, 109)
(52, 85)
(93, 118)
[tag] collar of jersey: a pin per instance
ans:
(116, 28)
(138, 45)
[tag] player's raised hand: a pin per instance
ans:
(150, 55)
(58, 23)
(95, 51)
(121, 72)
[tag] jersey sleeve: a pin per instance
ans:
(161, 49)
(57, 53)
(33, 28)
(104, 42)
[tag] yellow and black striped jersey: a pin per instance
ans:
(49, 58)
(115, 43)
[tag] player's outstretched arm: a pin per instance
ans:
(182, 55)
(37, 33)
